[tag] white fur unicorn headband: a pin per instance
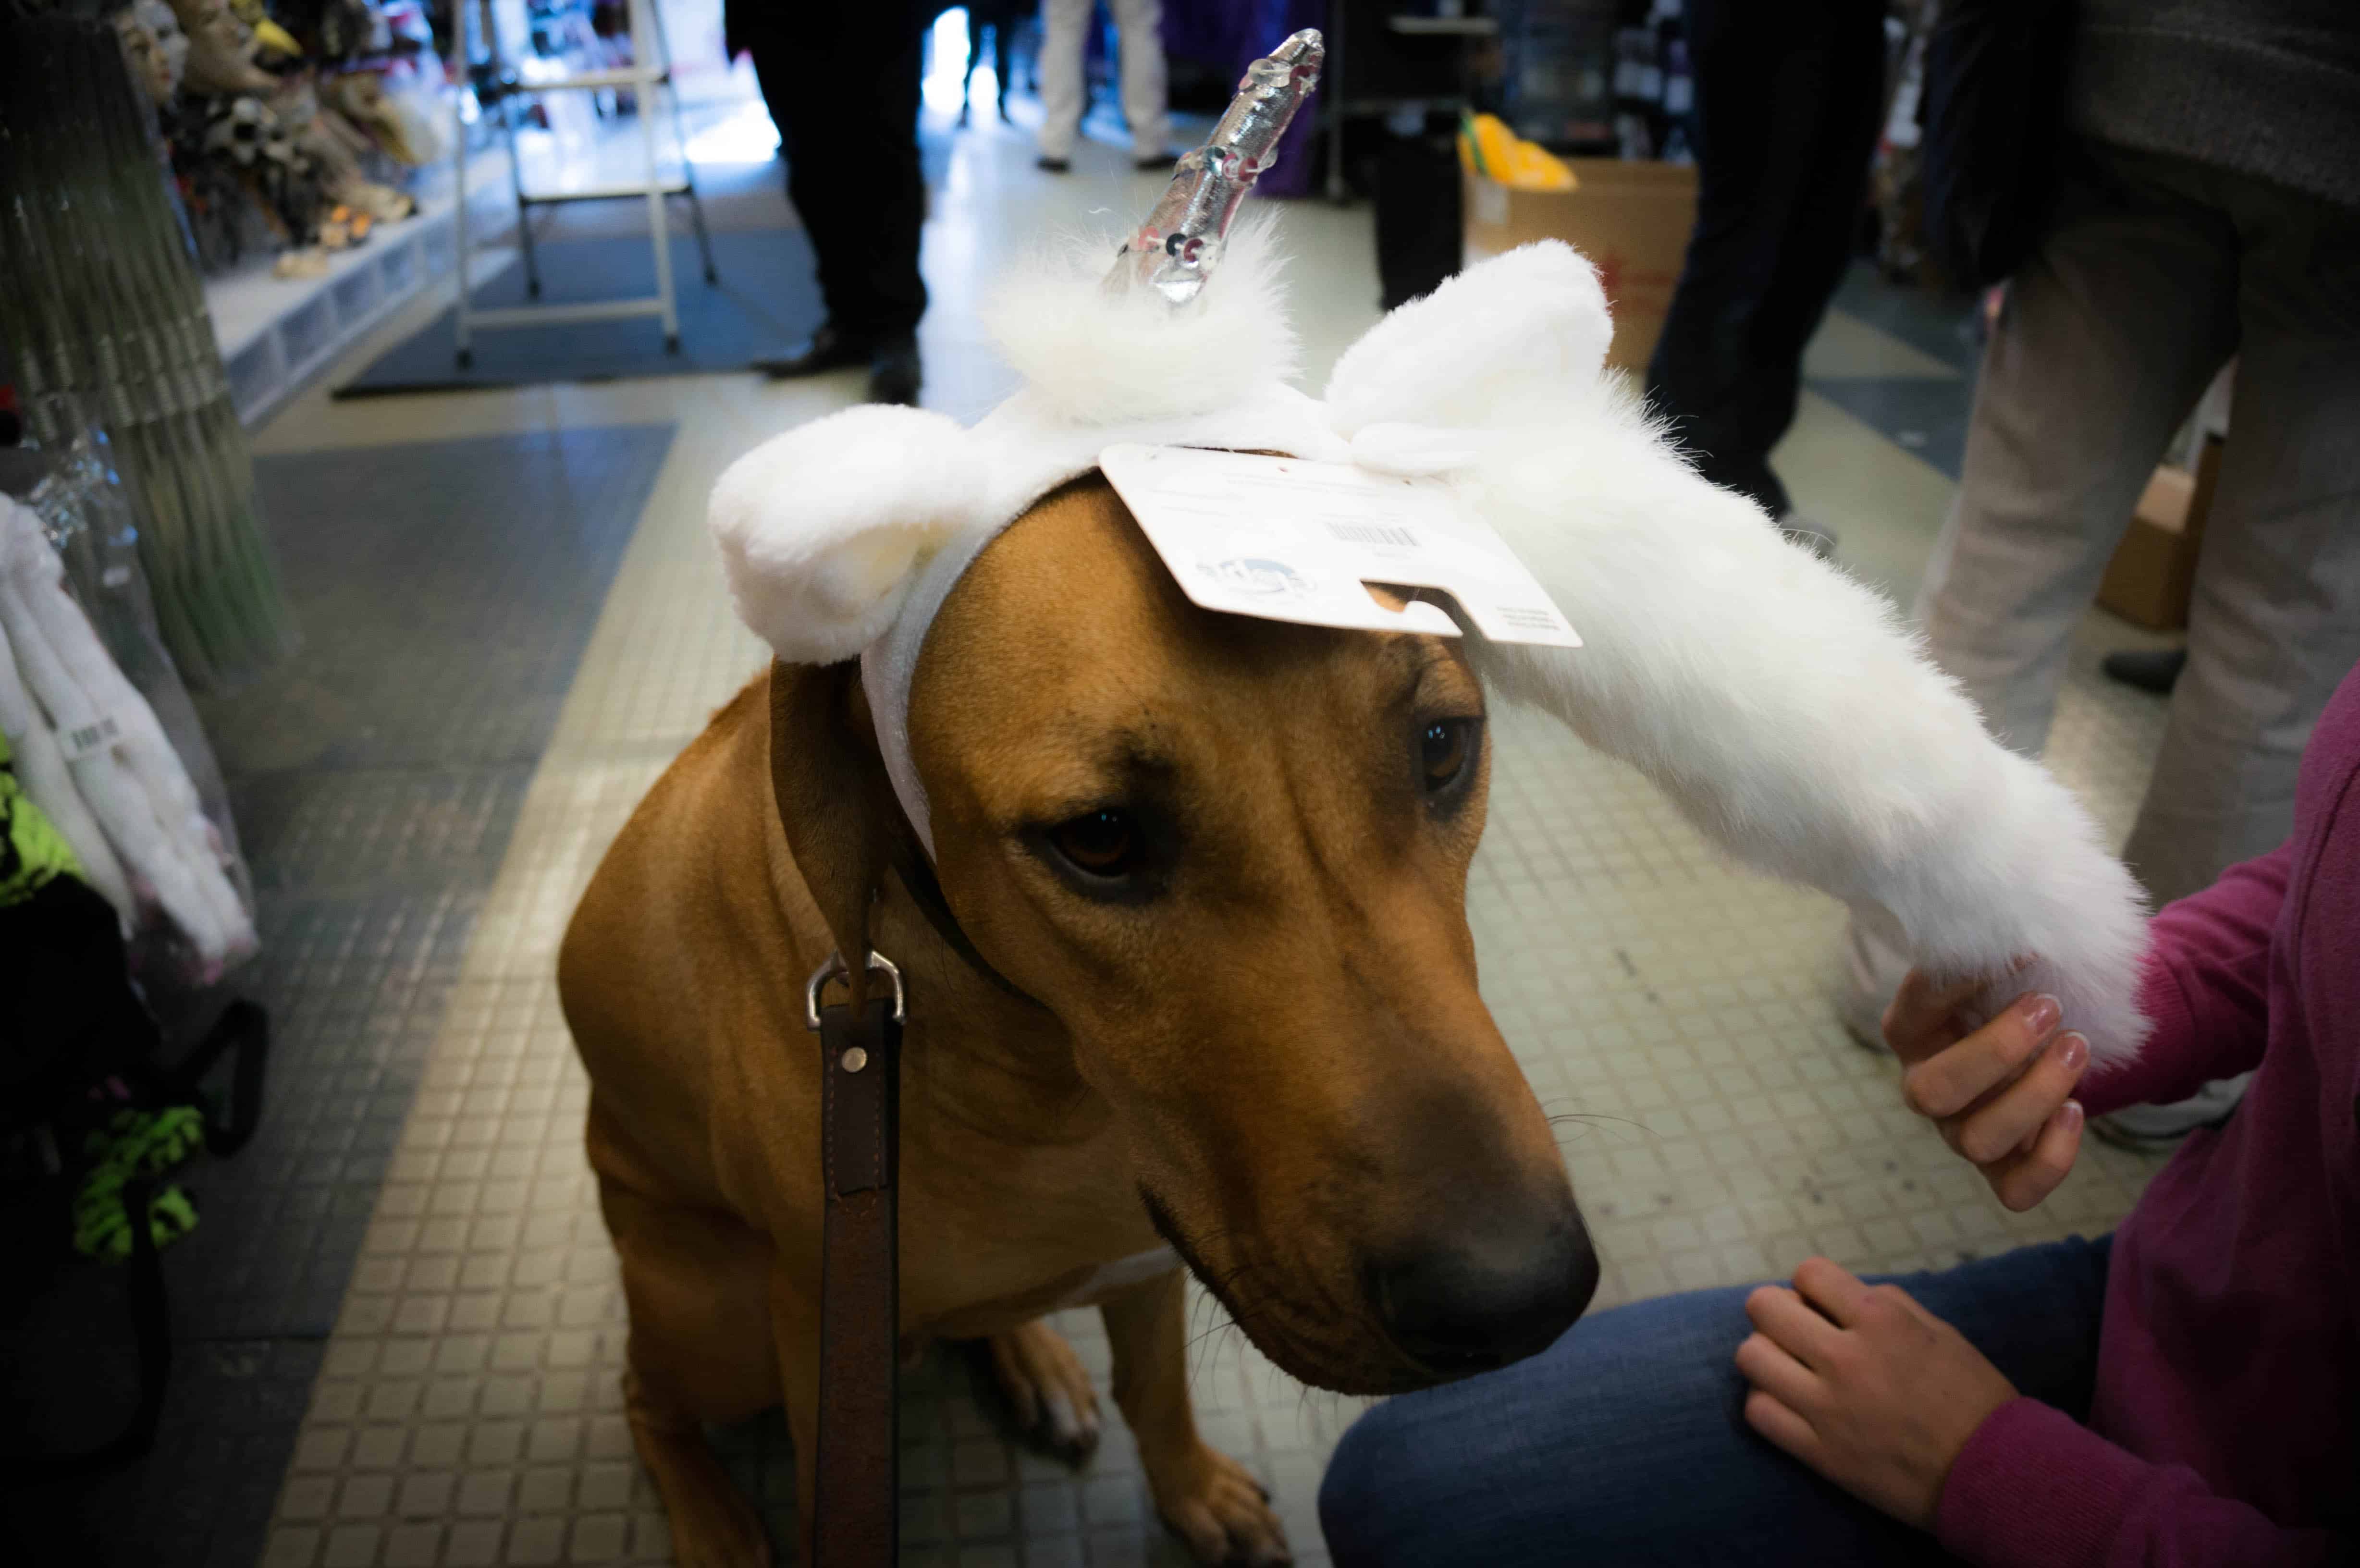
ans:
(1779, 703)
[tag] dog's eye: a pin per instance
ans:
(1443, 749)
(1100, 843)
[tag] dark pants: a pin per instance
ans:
(1625, 1442)
(841, 82)
(1787, 99)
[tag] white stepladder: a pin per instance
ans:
(497, 92)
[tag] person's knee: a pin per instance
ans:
(1367, 1498)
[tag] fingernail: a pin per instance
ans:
(2072, 1050)
(2073, 1114)
(2041, 1013)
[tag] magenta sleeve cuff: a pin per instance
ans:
(2164, 1058)
(2035, 1489)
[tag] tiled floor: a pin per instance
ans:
(1721, 1126)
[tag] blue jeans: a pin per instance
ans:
(1625, 1441)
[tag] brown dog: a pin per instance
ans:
(1229, 857)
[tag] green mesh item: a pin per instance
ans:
(151, 1142)
(32, 851)
(102, 1225)
(136, 1143)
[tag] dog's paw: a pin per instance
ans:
(1221, 1511)
(1047, 1390)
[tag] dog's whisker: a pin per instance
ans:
(1600, 1119)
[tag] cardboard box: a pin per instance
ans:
(2149, 579)
(1631, 218)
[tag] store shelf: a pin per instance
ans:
(277, 334)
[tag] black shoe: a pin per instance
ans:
(2155, 669)
(1054, 165)
(894, 374)
(1159, 165)
(828, 349)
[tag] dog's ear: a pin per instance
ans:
(834, 800)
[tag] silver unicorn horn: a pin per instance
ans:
(1176, 249)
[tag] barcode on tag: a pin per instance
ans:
(1529, 619)
(95, 736)
(1374, 533)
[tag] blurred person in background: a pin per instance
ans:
(841, 84)
(1065, 88)
(2207, 205)
(1787, 100)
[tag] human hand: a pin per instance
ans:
(2002, 1094)
(1864, 1386)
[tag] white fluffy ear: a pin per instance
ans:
(1478, 352)
(819, 528)
(1795, 721)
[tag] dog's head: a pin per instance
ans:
(1231, 854)
(1230, 857)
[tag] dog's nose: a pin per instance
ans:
(1488, 1297)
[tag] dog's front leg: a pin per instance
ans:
(1207, 1497)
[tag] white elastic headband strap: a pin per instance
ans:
(889, 664)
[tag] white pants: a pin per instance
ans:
(1063, 96)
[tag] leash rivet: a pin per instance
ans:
(853, 1059)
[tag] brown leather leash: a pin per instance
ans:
(857, 1508)
(856, 1511)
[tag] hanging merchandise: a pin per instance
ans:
(102, 767)
(104, 323)
(39, 768)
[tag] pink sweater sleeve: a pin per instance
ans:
(2207, 989)
(2034, 1488)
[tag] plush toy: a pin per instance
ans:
(155, 47)
(1783, 706)
(221, 49)
(393, 120)
(272, 40)
(332, 145)
(241, 138)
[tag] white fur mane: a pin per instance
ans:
(1097, 358)
(1781, 704)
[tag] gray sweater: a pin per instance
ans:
(2264, 87)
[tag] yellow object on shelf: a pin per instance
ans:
(1487, 147)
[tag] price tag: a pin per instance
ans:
(1286, 539)
(83, 740)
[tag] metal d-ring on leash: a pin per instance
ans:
(856, 1507)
